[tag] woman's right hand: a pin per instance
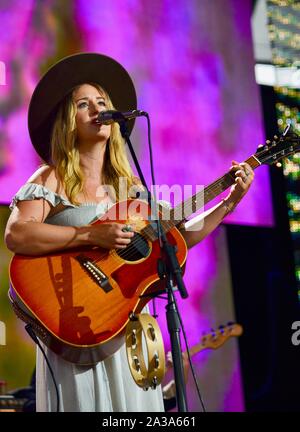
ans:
(111, 235)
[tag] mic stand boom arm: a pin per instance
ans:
(170, 270)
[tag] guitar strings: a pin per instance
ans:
(139, 241)
(126, 253)
(215, 189)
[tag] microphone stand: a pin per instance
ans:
(168, 269)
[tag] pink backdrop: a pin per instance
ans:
(192, 63)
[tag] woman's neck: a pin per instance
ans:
(91, 161)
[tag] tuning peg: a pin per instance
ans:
(213, 332)
(267, 142)
(260, 148)
(230, 324)
(275, 137)
(222, 329)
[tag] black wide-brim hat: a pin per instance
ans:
(61, 78)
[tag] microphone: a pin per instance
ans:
(111, 116)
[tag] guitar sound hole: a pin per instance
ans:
(136, 250)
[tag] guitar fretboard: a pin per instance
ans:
(173, 217)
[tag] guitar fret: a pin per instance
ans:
(150, 230)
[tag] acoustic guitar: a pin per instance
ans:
(78, 301)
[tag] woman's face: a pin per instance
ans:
(89, 102)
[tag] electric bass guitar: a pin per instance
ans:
(216, 338)
(78, 301)
(213, 340)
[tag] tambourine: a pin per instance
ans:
(143, 334)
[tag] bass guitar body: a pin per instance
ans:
(79, 301)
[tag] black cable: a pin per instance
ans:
(159, 236)
(159, 233)
(33, 336)
(189, 356)
(153, 183)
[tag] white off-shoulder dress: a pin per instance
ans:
(105, 387)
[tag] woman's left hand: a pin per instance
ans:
(244, 176)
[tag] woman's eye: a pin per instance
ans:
(82, 105)
(85, 104)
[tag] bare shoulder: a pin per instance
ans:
(46, 176)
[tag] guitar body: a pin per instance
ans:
(81, 299)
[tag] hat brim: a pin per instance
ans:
(61, 78)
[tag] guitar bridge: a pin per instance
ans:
(95, 273)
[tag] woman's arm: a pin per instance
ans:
(201, 226)
(27, 234)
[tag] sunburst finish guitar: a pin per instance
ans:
(79, 301)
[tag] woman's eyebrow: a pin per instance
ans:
(86, 98)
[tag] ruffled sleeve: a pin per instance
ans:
(31, 191)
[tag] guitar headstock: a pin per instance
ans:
(280, 147)
(217, 338)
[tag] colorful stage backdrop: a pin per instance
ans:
(192, 63)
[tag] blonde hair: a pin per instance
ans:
(65, 153)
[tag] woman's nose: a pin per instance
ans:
(95, 108)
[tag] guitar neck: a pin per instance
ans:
(196, 348)
(193, 350)
(220, 338)
(196, 202)
(216, 340)
(201, 198)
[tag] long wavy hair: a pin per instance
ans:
(65, 153)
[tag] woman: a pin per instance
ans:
(53, 210)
